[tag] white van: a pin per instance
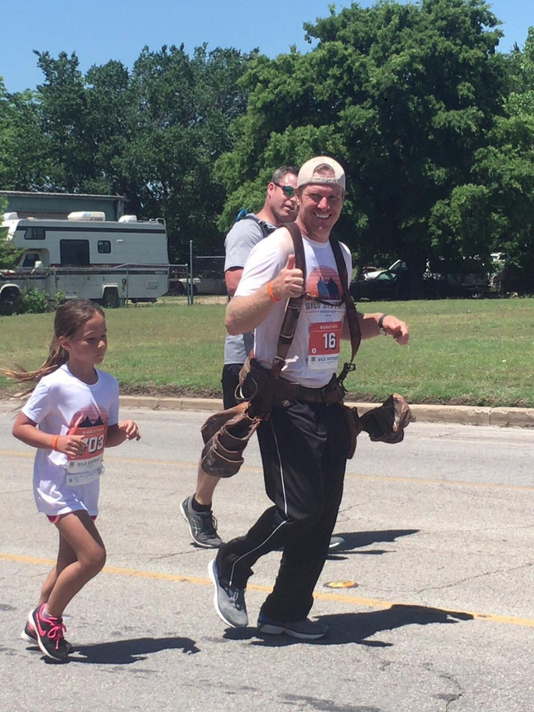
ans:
(86, 256)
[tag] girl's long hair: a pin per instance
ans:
(69, 318)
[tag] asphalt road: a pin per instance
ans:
(440, 616)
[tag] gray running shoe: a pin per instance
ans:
(229, 601)
(304, 629)
(202, 525)
(336, 542)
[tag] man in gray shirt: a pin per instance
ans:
(280, 207)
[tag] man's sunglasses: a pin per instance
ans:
(287, 190)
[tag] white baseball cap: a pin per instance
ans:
(311, 172)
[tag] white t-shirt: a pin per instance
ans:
(61, 404)
(313, 356)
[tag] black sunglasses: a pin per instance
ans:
(287, 190)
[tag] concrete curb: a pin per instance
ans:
(462, 414)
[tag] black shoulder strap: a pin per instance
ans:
(265, 228)
(352, 314)
(294, 305)
(291, 317)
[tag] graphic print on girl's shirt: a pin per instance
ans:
(90, 423)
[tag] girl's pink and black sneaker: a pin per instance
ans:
(50, 634)
(30, 636)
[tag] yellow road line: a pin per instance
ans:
(336, 597)
(349, 475)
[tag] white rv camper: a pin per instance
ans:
(86, 256)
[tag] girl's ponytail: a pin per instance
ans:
(69, 318)
(57, 356)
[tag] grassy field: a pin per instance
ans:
(478, 352)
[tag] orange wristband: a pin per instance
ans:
(54, 442)
(271, 293)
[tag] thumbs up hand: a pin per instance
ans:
(290, 281)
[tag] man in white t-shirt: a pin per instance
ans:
(304, 443)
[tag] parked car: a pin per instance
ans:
(467, 277)
(373, 272)
(179, 281)
(203, 283)
(390, 283)
(211, 282)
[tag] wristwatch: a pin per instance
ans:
(380, 325)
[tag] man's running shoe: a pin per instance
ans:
(30, 636)
(202, 525)
(336, 542)
(49, 633)
(303, 630)
(229, 601)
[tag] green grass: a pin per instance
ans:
(460, 352)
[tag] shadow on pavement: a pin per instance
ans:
(357, 627)
(125, 652)
(359, 540)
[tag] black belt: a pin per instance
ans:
(288, 391)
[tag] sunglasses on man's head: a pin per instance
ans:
(287, 190)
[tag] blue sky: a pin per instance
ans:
(118, 29)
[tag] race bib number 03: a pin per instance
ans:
(324, 345)
(83, 469)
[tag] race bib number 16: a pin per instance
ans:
(324, 345)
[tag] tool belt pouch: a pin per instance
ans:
(387, 422)
(226, 438)
(227, 433)
(259, 387)
(352, 420)
(215, 422)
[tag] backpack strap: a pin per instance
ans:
(265, 228)
(294, 304)
(352, 314)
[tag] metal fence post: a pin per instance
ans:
(190, 294)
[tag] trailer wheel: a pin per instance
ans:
(8, 299)
(111, 298)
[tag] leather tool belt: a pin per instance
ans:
(258, 385)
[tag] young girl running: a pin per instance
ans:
(70, 417)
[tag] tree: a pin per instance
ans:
(505, 170)
(152, 134)
(8, 254)
(403, 96)
(24, 157)
(110, 123)
(63, 104)
(183, 107)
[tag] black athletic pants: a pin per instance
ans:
(230, 381)
(303, 450)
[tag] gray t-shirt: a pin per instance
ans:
(246, 233)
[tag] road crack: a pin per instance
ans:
(484, 574)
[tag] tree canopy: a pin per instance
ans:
(434, 126)
(404, 96)
(151, 134)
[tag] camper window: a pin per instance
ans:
(34, 233)
(74, 252)
(30, 258)
(104, 246)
